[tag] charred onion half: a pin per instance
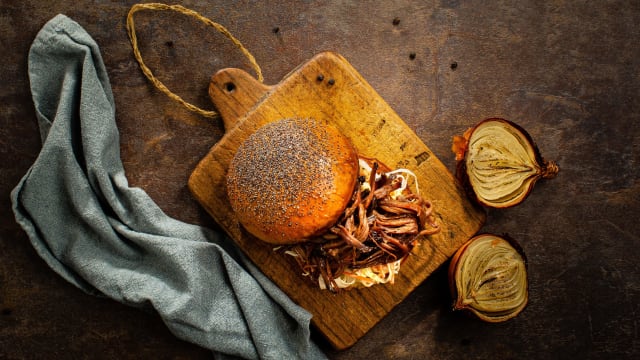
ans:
(378, 230)
(488, 277)
(499, 163)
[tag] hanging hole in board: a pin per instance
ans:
(229, 87)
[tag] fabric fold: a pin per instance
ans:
(112, 240)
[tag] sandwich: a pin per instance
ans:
(346, 220)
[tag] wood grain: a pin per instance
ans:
(328, 88)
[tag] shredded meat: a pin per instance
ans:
(375, 229)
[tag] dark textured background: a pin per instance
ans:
(567, 71)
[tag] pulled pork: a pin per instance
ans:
(380, 225)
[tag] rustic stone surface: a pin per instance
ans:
(566, 71)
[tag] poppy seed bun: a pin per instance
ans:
(292, 179)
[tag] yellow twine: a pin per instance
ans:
(147, 72)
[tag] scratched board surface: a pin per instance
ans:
(328, 88)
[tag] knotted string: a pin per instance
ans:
(149, 74)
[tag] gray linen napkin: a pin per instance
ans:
(112, 240)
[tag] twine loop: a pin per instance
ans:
(149, 74)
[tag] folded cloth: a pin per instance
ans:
(110, 239)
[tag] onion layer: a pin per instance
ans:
(500, 163)
(488, 277)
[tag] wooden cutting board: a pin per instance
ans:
(328, 87)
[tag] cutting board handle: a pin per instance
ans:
(234, 92)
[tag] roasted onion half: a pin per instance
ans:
(499, 163)
(488, 277)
